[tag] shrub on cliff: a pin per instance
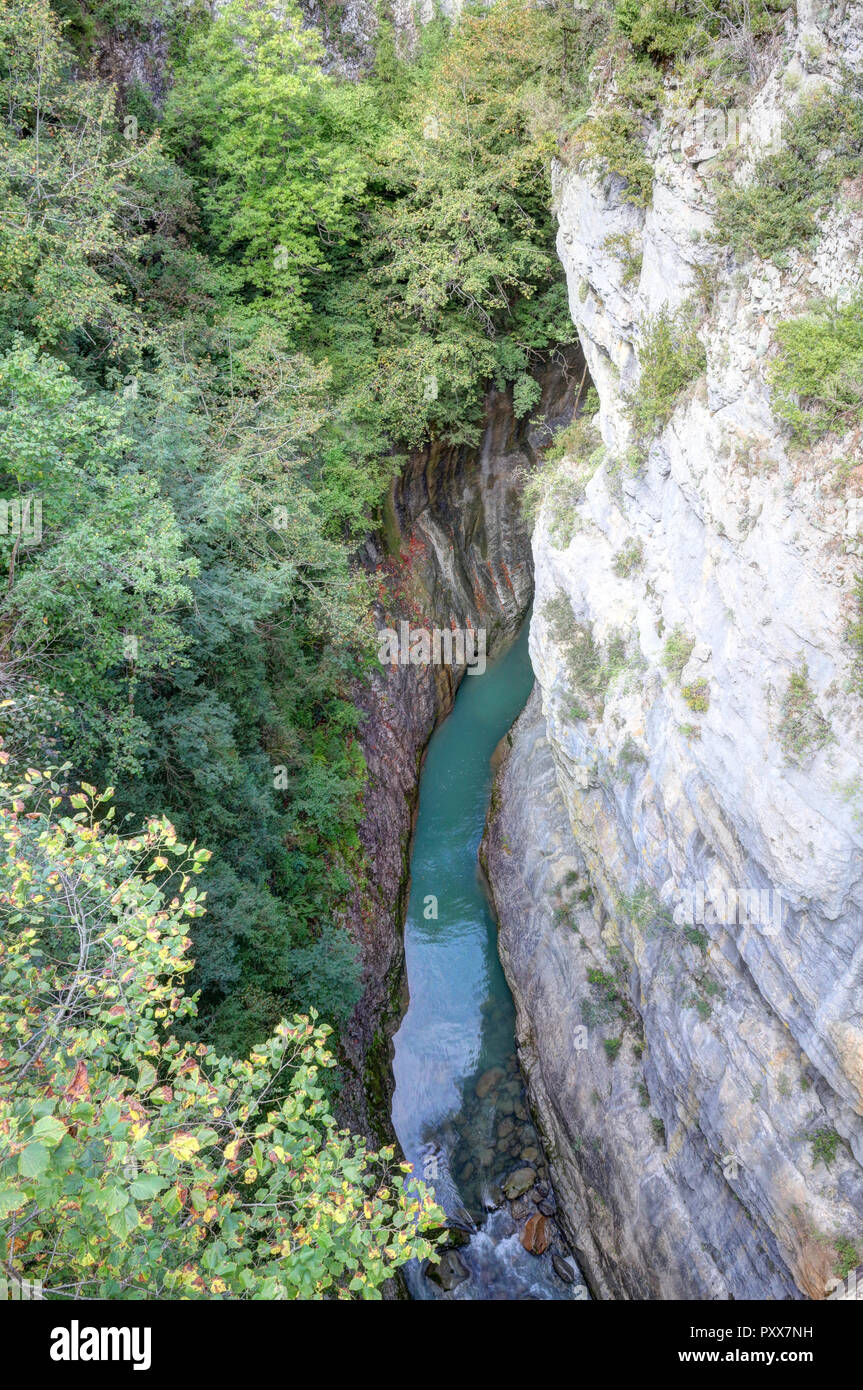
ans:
(659, 27)
(818, 376)
(676, 29)
(803, 729)
(615, 138)
(671, 355)
(782, 206)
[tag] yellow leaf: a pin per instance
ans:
(183, 1146)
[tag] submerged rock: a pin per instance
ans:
(518, 1183)
(488, 1081)
(449, 1273)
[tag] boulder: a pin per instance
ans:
(488, 1081)
(536, 1235)
(449, 1273)
(518, 1182)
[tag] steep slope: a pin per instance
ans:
(699, 738)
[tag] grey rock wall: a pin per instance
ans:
(752, 1023)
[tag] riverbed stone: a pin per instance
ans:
(488, 1081)
(518, 1182)
(536, 1235)
(449, 1273)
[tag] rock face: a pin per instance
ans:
(695, 1051)
(648, 1219)
(130, 60)
(349, 29)
(456, 551)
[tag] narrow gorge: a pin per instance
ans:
(677, 880)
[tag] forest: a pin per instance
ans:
(223, 325)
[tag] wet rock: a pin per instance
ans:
(536, 1236)
(520, 1209)
(546, 1206)
(505, 1128)
(488, 1081)
(449, 1273)
(562, 1269)
(518, 1182)
(530, 1155)
(492, 1197)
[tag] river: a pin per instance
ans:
(459, 1108)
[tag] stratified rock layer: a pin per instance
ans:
(705, 1130)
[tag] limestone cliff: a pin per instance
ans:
(696, 736)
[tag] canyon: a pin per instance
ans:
(696, 1080)
(682, 1081)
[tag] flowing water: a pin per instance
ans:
(459, 1108)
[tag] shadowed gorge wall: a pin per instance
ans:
(464, 558)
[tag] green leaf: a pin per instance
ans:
(33, 1161)
(150, 1185)
(50, 1130)
(10, 1201)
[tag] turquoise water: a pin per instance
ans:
(460, 1020)
(460, 1023)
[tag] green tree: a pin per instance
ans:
(71, 208)
(258, 122)
(458, 283)
(95, 600)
